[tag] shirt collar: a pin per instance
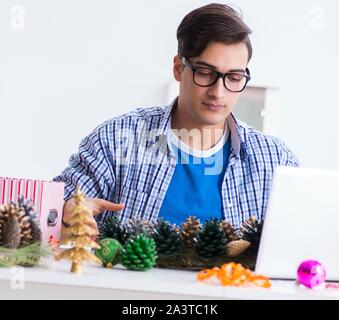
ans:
(238, 131)
(238, 137)
(165, 124)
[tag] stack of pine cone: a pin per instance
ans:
(215, 239)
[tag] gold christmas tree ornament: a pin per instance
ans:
(80, 235)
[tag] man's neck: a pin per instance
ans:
(195, 135)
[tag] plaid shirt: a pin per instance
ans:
(128, 160)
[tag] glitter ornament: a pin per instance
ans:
(311, 273)
(109, 252)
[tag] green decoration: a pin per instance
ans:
(211, 239)
(167, 237)
(139, 253)
(111, 228)
(109, 252)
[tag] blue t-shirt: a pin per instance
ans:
(195, 188)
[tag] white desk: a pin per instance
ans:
(53, 280)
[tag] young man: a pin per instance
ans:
(191, 157)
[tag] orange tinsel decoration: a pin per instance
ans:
(234, 274)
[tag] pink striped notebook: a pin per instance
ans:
(47, 198)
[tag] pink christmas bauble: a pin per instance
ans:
(311, 273)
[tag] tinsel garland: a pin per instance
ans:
(27, 256)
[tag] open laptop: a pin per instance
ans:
(302, 222)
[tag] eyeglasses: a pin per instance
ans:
(206, 77)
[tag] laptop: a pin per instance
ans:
(301, 222)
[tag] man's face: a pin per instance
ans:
(209, 105)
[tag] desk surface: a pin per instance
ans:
(52, 280)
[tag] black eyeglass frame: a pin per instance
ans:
(219, 75)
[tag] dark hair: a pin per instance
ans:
(211, 23)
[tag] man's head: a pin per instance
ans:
(211, 40)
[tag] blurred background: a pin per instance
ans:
(68, 65)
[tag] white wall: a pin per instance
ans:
(71, 64)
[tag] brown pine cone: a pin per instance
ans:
(11, 233)
(228, 230)
(235, 248)
(189, 230)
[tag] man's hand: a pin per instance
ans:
(96, 205)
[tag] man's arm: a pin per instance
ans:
(91, 170)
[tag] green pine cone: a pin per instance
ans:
(167, 237)
(139, 253)
(211, 239)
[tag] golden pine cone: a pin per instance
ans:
(235, 248)
(189, 230)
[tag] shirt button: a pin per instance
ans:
(229, 205)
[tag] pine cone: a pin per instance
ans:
(28, 208)
(167, 237)
(251, 230)
(136, 226)
(211, 240)
(10, 210)
(11, 233)
(112, 228)
(228, 230)
(237, 247)
(139, 253)
(35, 232)
(189, 230)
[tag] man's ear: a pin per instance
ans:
(177, 68)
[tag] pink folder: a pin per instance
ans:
(47, 198)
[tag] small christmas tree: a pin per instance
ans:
(80, 235)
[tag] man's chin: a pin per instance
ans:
(214, 120)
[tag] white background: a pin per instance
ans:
(68, 65)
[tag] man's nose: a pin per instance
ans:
(217, 90)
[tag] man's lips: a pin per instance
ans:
(213, 107)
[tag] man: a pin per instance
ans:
(191, 157)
